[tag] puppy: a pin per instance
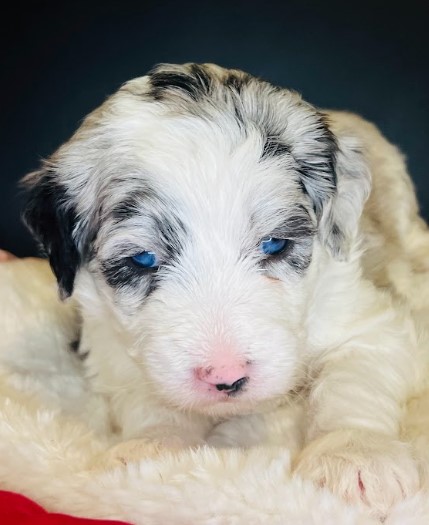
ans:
(229, 256)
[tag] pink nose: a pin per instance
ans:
(228, 376)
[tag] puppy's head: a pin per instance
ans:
(193, 208)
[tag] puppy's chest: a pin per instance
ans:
(281, 425)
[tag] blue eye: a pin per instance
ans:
(145, 260)
(273, 246)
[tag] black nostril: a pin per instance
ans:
(235, 387)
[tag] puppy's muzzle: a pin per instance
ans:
(228, 376)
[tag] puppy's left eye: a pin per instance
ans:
(145, 260)
(273, 246)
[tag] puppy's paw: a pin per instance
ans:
(155, 443)
(361, 467)
(136, 449)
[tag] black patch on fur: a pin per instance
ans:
(299, 264)
(299, 255)
(318, 171)
(302, 186)
(171, 236)
(51, 220)
(335, 230)
(74, 346)
(125, 272)
(236, 82)
(296, 227)
(238, 112)
(203, 78)
(131, 207)
(194, 82)
(273, 147)
(125, 210)
(336, 240)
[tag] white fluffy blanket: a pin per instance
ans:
(47, 446)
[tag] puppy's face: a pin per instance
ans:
(196, 207)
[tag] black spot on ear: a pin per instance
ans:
(273, 147)
(193, 81)
(51, 220)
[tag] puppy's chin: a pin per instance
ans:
(228, 407)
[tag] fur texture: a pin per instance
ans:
(220, 342)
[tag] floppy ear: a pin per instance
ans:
(334, 174)
(338, 225)
(52, 220)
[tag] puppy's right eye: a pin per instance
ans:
(145, 260)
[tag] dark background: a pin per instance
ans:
(59, 61)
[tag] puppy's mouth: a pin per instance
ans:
(221, 393)
(233, 389)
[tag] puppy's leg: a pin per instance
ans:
(133, 450)
(150, 430)
(355, 409)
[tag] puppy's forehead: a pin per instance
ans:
(210, 130)
(218, 140)
(196, 159)
(208, 177)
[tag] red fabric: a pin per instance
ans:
(19, 510)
